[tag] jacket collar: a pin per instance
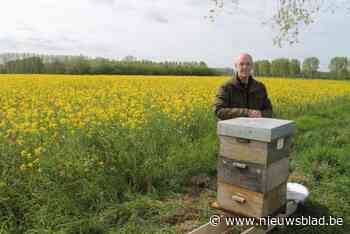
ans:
(252, 83)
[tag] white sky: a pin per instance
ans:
(161, 30)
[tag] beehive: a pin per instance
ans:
(253, 165)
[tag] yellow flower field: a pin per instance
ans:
(78, 144)
(38, 103)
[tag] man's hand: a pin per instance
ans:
(254, 113)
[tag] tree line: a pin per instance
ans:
(53, 64)
(339, 68)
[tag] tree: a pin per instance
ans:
(54, 66)
(101, 66)
(288, 16)
(77, 65)
(256, 68)
(294, 67)
(310, 66)
(265, 68)
(129, 58)
(26, 65)
(338, 67)
(280, 67)
(63, 64)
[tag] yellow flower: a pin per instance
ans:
(44, 105)
(24, 153)
(38, 151)
(23, 167)
(36, 161)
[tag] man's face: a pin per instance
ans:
(244, 66)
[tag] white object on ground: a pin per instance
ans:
(297, 192)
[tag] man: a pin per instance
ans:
(242, 96)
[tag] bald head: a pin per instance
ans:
(243, 56)
(244, 65)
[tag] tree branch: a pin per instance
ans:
(290, 15)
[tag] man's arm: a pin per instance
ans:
(267, 110)
(222, 109)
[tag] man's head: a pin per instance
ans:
(244, 65)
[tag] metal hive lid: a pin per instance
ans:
(260, 129)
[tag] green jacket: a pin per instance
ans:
(233, 97)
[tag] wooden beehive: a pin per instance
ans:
(253, 165)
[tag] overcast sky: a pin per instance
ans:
(161, 30)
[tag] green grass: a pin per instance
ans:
(142, 186)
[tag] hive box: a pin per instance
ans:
(250, 203)
(257, 140)
(253, 176)
(253, 164)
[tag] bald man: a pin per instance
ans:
(242, 95)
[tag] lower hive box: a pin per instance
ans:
(251, 203)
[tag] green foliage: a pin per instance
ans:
(339, 68)
(22, 63)
(287, 16)
(72, 189)
(310, 66)
(294, 68)
(26, 65)
(262, 68)
(280, 67)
